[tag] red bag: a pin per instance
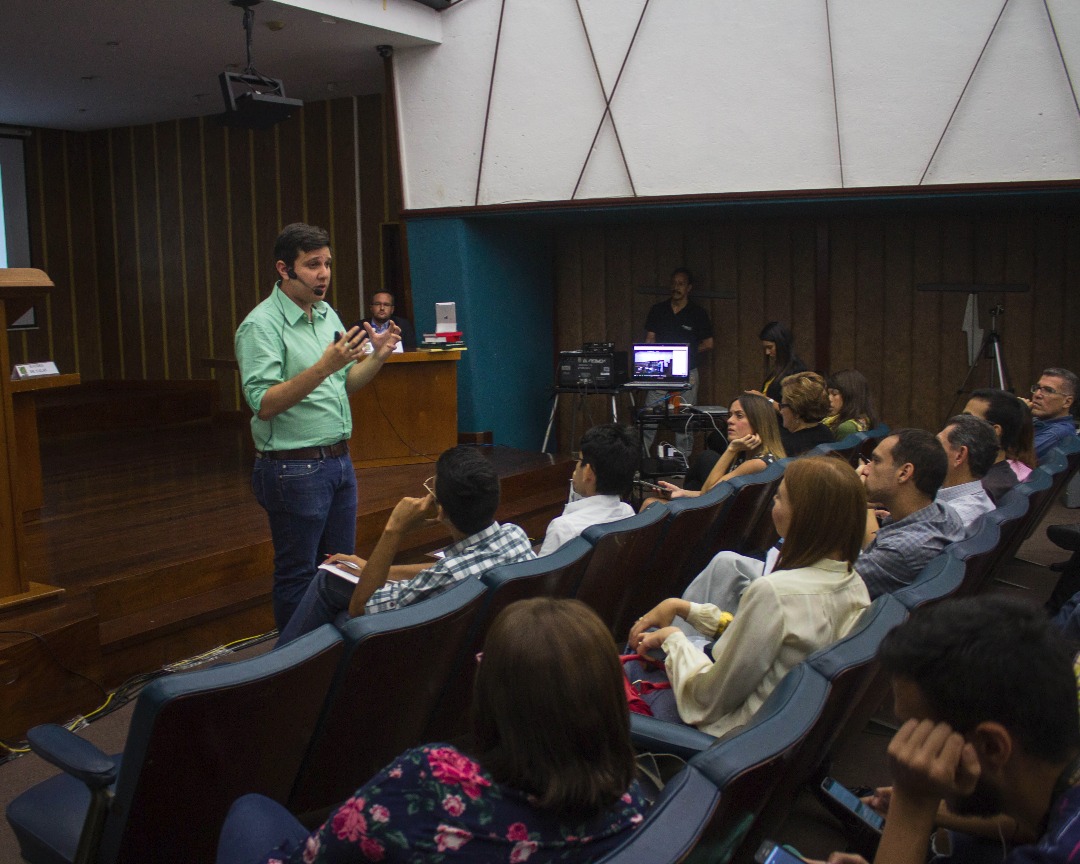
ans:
(636, 689)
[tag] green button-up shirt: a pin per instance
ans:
(277, 342)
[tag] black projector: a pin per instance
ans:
(261, 105)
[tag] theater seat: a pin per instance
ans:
(396, 664)
(198, 741)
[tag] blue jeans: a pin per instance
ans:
(312, 510)
(255, 826)
(326, 601)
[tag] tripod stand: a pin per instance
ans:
(991, 350)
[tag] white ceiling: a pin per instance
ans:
(168, 57)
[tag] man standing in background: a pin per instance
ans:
(676, 320)
(298, 366)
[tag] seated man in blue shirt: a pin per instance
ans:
(463, 495)
(1050, 402)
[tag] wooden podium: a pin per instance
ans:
(18, 290)
(408, 413)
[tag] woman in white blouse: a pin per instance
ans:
(811, 599)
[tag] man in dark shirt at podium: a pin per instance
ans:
(382, 315)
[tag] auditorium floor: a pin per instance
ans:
(810, 828)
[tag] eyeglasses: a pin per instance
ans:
(1049, 391)
(429, 485)
(785, 405)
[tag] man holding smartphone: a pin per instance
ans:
(298, 366)
(987, 695)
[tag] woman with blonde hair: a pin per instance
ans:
(804, 403)
(550, 778)
(812, 598)
(753, 444)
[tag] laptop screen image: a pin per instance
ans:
(658, 365)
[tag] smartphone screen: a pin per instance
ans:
(842, 795)
(772, 853)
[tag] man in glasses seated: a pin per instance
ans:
(1050, 402)
(463, 495)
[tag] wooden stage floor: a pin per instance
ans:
(163, 552)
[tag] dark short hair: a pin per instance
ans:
(685, 272)
(991, 658)
(467, 488)
(926, 455)
(1065, 375)
(807, 396)
(549, 710)
(1005, 410)
(297, 238)
(611, 451)
(966, 430)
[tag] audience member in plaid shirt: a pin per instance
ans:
(463, 495)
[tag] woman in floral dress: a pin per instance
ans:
(550, 777)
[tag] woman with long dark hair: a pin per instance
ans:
(851, 407)
(780, 360)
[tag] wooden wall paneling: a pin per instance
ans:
(926, 327)
(776, 281)
(1070, 301)
(193, 253)
(697, 257)
(129, 221)
(372, 179)
(243, 260)
(266, 225)
(343, 183)
(843, 281)
(958, 265)
(219, 251)
(592, 308)
(1019, 328)
(317, 160)
(147, 231)
(642, 276)
(82, 325)
(291, 174)
(753, 312)
(40, 344)
(891, 377)
(169, 238)
(724, 279)
(105, 255)
(620, 323)
(871, 328)
(802, 237)
(1047, 285)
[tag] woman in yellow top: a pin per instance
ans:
(812, 598)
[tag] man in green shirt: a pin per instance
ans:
(298, 366)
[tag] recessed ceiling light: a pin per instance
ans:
(326, 19)
(275, 26)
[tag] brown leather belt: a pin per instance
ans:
(331, 452)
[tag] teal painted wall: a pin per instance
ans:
(501, 276)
